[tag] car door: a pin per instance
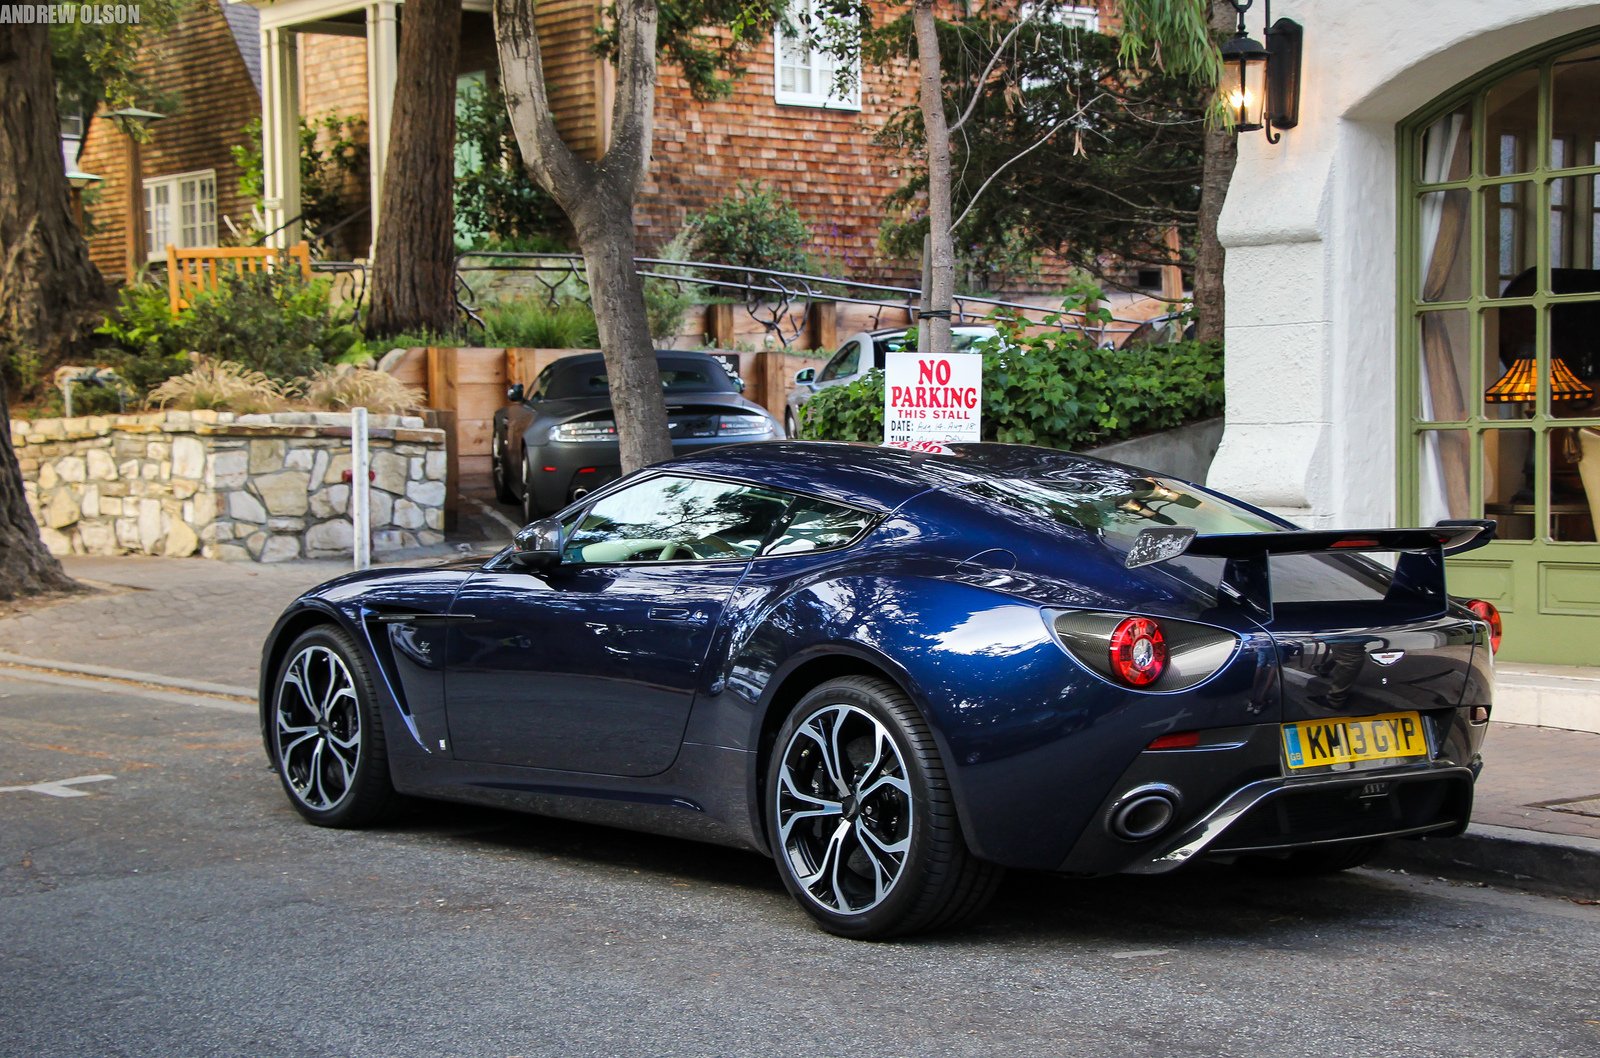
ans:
(591, 665)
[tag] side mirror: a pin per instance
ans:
(538, 544)
(515, 393)
(805, 376)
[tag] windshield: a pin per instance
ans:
(678, 375)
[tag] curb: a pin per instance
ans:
(1551, 864)
(105, 672)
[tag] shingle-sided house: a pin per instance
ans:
(283, 59)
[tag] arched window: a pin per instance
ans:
(1500, 295)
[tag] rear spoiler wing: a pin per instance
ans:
(1419, 574)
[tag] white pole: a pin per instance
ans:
(360, 480)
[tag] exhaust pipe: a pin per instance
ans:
(1144, 812)
(578, 494)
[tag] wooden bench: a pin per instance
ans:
(193, 269)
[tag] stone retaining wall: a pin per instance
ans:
(266, 488)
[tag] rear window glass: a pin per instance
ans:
(1117, 504)
(677, 376)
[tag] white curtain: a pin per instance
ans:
(1439, 153)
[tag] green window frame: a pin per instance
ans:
(1423, 198)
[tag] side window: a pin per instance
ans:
(845, 362)
(816, 525)
(541, 383)
(676, 519)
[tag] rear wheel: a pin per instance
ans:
(1308, 863)
(325, 733)
(861, 820)
(791, 428)
(501, 473)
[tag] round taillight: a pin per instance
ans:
(1138, 651)
(1491, 617)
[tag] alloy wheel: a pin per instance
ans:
(844, 809)
(318, 728)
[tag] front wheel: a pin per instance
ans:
(861, 820)
(326, 737)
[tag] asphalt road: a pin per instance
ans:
(180, 907)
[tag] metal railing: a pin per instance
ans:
(769, 297)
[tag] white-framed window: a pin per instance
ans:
(806, 74)
(1079, 16)
(181, 210)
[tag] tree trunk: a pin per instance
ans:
(598, 198)
(1221, 152)
(413, 268)
(50, 295)
(939, 258)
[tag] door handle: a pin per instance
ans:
(669, 613)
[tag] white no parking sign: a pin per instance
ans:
(932, 398)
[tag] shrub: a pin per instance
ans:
(1057, 389)
(218, 385)
(533, 324)
(272, 322)
(754, 226)
(346, 386)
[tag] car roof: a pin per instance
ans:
(877, 476)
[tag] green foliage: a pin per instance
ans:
(494, 193)
(533, 324)
(1066, 150)
(98, 64)
(333, 158)
(754, 226)
(1056, 388)
(271, 322)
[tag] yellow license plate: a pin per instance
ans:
(1318, 743)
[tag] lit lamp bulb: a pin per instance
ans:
(1244, 82)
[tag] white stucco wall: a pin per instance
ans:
(1310, 231)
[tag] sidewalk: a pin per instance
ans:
(199, 626)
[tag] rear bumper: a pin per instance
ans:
(1275, 815)
(563, 472)
(1235, 796)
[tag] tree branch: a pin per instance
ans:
(633, 110)
(977, 92)
(547, 155)
(1003, 166)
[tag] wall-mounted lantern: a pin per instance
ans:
(1261, 85)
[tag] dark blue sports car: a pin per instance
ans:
(899, 673)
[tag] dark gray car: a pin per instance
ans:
(557, 440)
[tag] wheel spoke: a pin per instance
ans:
(826, 737)
(885, 865)
(789, 816)
(316, 775)
(827, 870)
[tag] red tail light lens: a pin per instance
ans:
(1490, 616)
(1138, 652)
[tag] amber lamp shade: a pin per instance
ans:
(1520, 383)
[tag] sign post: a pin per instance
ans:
(932, 399)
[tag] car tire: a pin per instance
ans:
(791, 429)
(1308, 863)
(501, 473)
(886, 857)
(324, 734)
